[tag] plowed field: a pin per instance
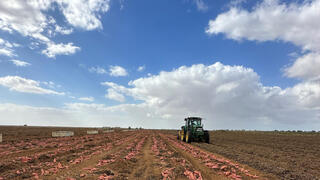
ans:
(140, 154)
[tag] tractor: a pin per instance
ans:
(193, 131)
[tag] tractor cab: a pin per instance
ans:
(193, 122)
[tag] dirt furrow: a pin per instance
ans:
(94, 166)
(206, 172)
(147, 166)
(218, 165)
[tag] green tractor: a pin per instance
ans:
(193, 131)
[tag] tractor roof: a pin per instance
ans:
(192, 118)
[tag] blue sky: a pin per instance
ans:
(76, 63)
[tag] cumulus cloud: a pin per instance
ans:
(90, 99)
(84, 14)
(273, 20)
(60, 49)
(226, 96)
(117, 71)
(20, 63)
(20, 84)
(305, 67)
(115, 95)
(116, 87)
(307, 94)
(141, 68)
(24, 17)
(31, 19)
(98, 70)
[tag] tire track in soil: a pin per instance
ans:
(206, 172)
(223, 165)
(147, 166)
(127, 159)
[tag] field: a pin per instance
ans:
(30, 152)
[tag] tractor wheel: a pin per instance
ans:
(182, 137)
(206, 137)
(188, 137)
(178, 136)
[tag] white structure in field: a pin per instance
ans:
(62, 133)
(0, 137)
(92, 132)
(107, 131)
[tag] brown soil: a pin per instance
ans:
(282, 155)
(153, 154)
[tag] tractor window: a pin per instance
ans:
(197, 123)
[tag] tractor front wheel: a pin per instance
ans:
(188, 137)
(182, 137)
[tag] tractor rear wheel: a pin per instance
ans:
(206, 137)
(188, 137)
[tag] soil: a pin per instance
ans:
(283, 155)
(30, 153)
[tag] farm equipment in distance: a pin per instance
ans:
(193, 131)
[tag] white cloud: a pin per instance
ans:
(6, 48)
(117, 71)
(32, 19)
(90, 99)
(6, 52)
(51, 84)
(60, 49)
(84, 14)
(98, 70)
(273, 20)
(116, 87)
(307, 93)
(305, 67)
(226, 95)
(62, 30)
(8, 44)
(19, 84)
(234, 3)
(115, 95)
(24, 17)
(20, 63)
(201, 5)
(141, 68)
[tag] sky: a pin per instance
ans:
(239, 64)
